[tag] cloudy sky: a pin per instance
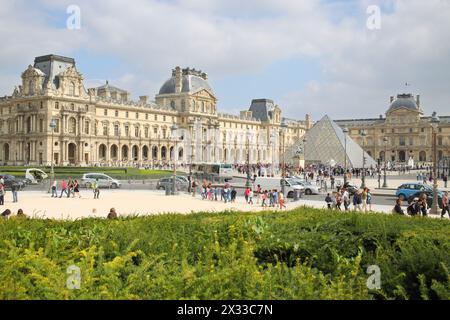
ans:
(310, 56)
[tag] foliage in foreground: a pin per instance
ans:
(302, 254)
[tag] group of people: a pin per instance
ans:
(8, 214)
(361, 200)
(420, 206)
(72, 187)
(213, 193)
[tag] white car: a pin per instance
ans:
(309, 187)
(104, 181)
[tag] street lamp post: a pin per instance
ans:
(305, 140)
(345, 130)
(363, 173)
(284, 127)
(272, 139)
(385, 140)
(248, 183)
(52, 170)
(174, 130)
(435, 205)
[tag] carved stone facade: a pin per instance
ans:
(102, 126)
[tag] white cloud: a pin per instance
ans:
(361, 68)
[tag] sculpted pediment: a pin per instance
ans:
(71, 72)
(204, 93)
(32, 72)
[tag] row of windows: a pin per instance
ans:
(410, 130)
(136, 115)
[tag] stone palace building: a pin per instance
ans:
(408, 131)
(103, 126)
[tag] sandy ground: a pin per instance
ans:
(126, 202)
(39, 204)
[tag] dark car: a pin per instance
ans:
(429, 195)
(9, 180)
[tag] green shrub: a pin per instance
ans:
(301, 254)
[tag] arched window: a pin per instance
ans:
(183, 105)
(72, 125)
(172, 104)
(422, 156)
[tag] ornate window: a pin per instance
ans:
(146, 132)
(105, 129)
(72, 125)
(86, 126)
(136, 131)
(127, 131)
(116, 130)
(72, 89)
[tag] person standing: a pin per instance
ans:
(96, 189)
(14, 190)
(246, 194)
(346, 199)
(54, 192)
(364, 199)
(2, 194)
(445, 179)
(328, 201)
(445, 205)
(281, 200)
(369, 199)
(63, 188)
(250, 197)
(70, 186)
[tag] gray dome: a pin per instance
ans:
(192, 81)
(404, 101)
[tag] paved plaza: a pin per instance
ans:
(39, 204)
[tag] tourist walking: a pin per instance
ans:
(76, 189)
(54, 192)
(445, 205)
(63, 188)
(281, 200)
(96, 189)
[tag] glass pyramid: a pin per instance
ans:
(325, 144)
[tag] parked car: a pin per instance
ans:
(268, 183)
(35, 176)
(309, 187)
(406, 190)
(104, 181)
(165, 182)
(429, 195)
(9, 180)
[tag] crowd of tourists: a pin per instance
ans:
(360, 200)
(72, 187)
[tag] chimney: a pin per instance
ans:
(143, 100)
(178, 80)
(418, 100)
(392, 99)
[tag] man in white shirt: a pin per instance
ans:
(346, 199)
